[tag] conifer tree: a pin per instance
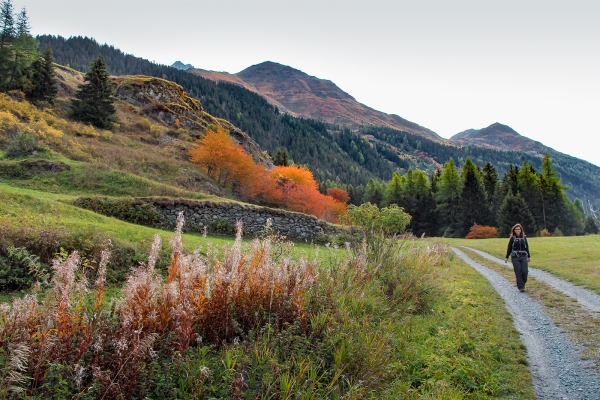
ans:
(394, 191)
(43, 81)
(551, 195)
(491, 184)
(281, 158)
(374, 192)
(448, 200)
(512, 211)
(590, 226)
(420, 204)
(24, 53)
(8, 34)
(94, 100)
(473, 202)
(529, 186)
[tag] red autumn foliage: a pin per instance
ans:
(482, 232)
(339, 194)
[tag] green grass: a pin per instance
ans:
(573, 258)
(467, 348)
(85, 178)
(26, 207)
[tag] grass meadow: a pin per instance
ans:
(573, 258)
(247, 319)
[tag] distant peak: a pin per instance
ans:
(182, 66)
(270, 66)
(498, 125)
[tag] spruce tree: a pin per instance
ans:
(473, 202)
(8, 34)
(591, 226)
(420, 204)
(513, 211)
(394, 191)
(25, 50)
(551, 193)
(374, 192)
(94, 100)
(44, 85)
(448, 200)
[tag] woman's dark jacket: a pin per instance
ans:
(520, 245)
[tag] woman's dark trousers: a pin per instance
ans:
(520, 266)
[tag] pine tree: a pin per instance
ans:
(512, 211)
(394, 191)
(591, 226)
(25, 52)
(44, 86)
(94, 100)
(551, 195)
(8, 34)
(473, 202)
(491, 184)
(421, 204)
(529, 186)
(448, 199)
(281, 158)
(374, 192)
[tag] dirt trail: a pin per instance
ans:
(557, 369)
(586, 298)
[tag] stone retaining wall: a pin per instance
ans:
(223, 216)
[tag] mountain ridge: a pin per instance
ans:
(502, 137)
(303, 95)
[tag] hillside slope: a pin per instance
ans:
(501, 137)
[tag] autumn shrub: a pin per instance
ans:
(69, 343)
(545, 233)
(482, 232)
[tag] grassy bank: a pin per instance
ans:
(574, 258)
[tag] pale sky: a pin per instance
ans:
(448, 65)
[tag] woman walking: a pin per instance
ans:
(518, 249)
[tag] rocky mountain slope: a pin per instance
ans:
(307, 96)
(501, 137)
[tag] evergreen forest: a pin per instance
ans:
(333, 153)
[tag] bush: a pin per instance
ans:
(482, 232)
(125, 209)
(19, 268)
(46, 243)
(545, 233)
(557, 232)
(21, 145)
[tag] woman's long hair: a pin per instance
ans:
(518, 226)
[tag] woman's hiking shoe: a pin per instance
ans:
(521, 290)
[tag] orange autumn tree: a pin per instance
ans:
(223, 159)
(292, 187)
(300, 192)
(339, 194)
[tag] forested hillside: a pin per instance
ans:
(332, 152)
(307, 142)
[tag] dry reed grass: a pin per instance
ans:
(214, 301)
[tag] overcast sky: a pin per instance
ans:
(448, 65)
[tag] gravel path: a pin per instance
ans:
(586, 298)
(557, 368)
